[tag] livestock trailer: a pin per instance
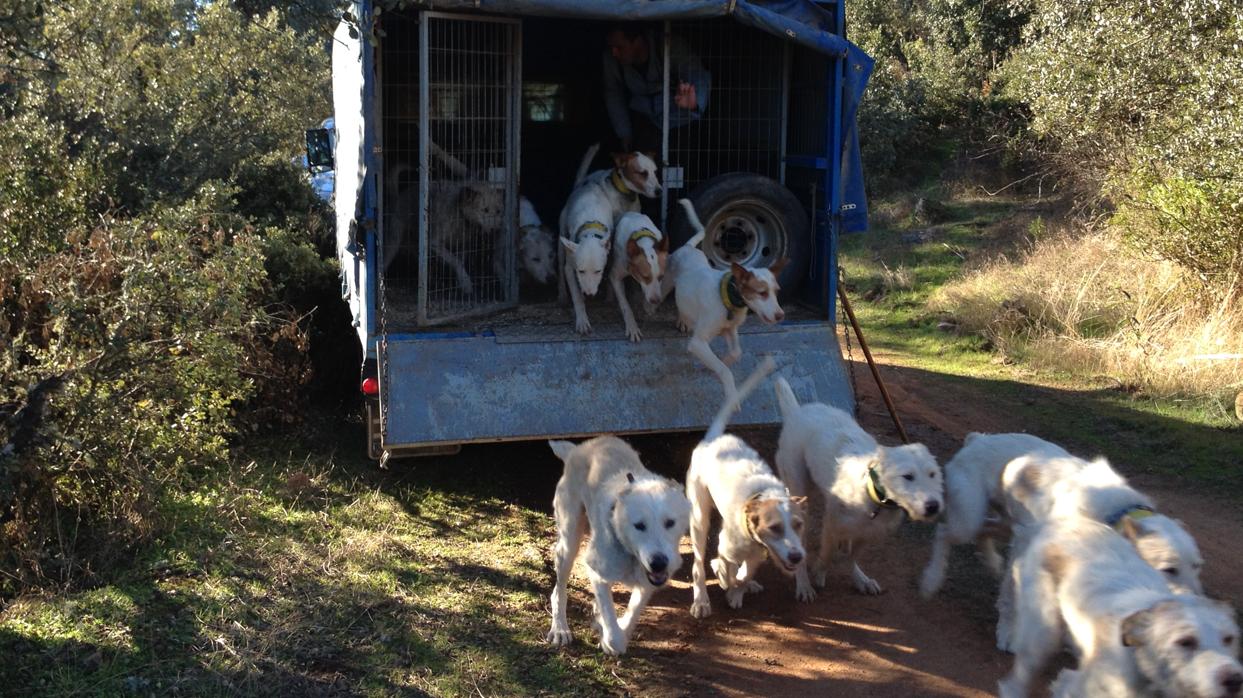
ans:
(510, 93)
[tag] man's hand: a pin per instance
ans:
(685, 98)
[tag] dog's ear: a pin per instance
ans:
(561, 448)
(608, 244)
(1055, 562)
(651, 154)
(1133, 627)
(1132, 530)
(632, 248)
(740, 272)
(620, 160)
(630, 478)
(663, 245)
(752, 511)
(569, 244)
(799, 501)
(779, 265)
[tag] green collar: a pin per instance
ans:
(877, 491)
(730, 296)
(644, 233)
(591, 225)
(1135, 513)
(619, 183)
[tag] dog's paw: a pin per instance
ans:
(633, 333)
(804, 593)
(1004, 642)
(559, 637)
(930, 583)
(615, 646)
(754, 587)
(867, 585)
(701, 608)
(582, 325)
(819, 577)
(733, 597)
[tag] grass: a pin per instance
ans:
(289, 574)
(1200, 439)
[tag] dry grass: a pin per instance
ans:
(1089, 305)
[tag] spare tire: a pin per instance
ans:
(752, 220)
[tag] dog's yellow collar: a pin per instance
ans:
(619, 183)
(643, 233)
(730, 296)
(591, 225)
(1135, 513)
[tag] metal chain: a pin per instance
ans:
(846, 330)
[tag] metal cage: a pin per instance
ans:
(450, 105)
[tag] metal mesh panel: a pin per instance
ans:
(809, 103)
(741, 128)
(450, 132)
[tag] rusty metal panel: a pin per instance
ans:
(485, 387)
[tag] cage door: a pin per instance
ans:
(469, 81)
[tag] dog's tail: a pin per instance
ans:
(751, 383)
(785, 398)
(586, 163)
(694, 221)
(455, 165)
(561, 448)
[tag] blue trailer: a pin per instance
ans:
(510, 91)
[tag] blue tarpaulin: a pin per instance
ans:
(800, 21)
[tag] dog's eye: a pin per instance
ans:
(797, 524)
(641, 526)
(1188, 643)
(933, 474)
(1172, 571)
(1227, 640)
(777, 529)
(909, 477)
(668, 523)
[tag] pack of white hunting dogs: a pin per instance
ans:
(1091, 562)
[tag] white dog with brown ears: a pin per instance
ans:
(712, 303)
(587, 220)
(636, 519)
(759, 518)
(647, 252)
(1133, 636)
(867, 487)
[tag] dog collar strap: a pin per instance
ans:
(591, 225)
(1139, 511)
(876, 490)
(730, 296)
(643, 233)
(619, 183)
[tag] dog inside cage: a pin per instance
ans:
(484, 123)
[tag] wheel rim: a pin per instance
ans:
(749, 232)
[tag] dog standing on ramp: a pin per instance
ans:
(759, 518)
(646, 254)
(1133, 636)
(636, 519)
(867, 487)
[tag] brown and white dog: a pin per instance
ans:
(713, 302)
(587, 220)
(759, 518)
(646, 256)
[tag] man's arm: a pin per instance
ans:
(615, 99)
(685, 66)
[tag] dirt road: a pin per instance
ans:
(895, 644)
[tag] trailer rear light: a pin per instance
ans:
(370, 386)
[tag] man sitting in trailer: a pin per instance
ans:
(634, 86)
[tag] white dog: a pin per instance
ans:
(647, 252)
(712, 303)
(636, 519)
(587, 221)
(866, 486)
(1133, 636)
(1021, 476)
(759, 518)
(537, 246)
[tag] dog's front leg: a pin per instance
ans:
(459, 269)
(619, 289)
(639, 598)
(581, 324)
(699, 347)
(743, 582)
(612, 639)
(701, 519)
(734, 345)
(863, 583)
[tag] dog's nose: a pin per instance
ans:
(931, 507)
(658, 563)
(1232, 682)
(795, 557)
(781, 315)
